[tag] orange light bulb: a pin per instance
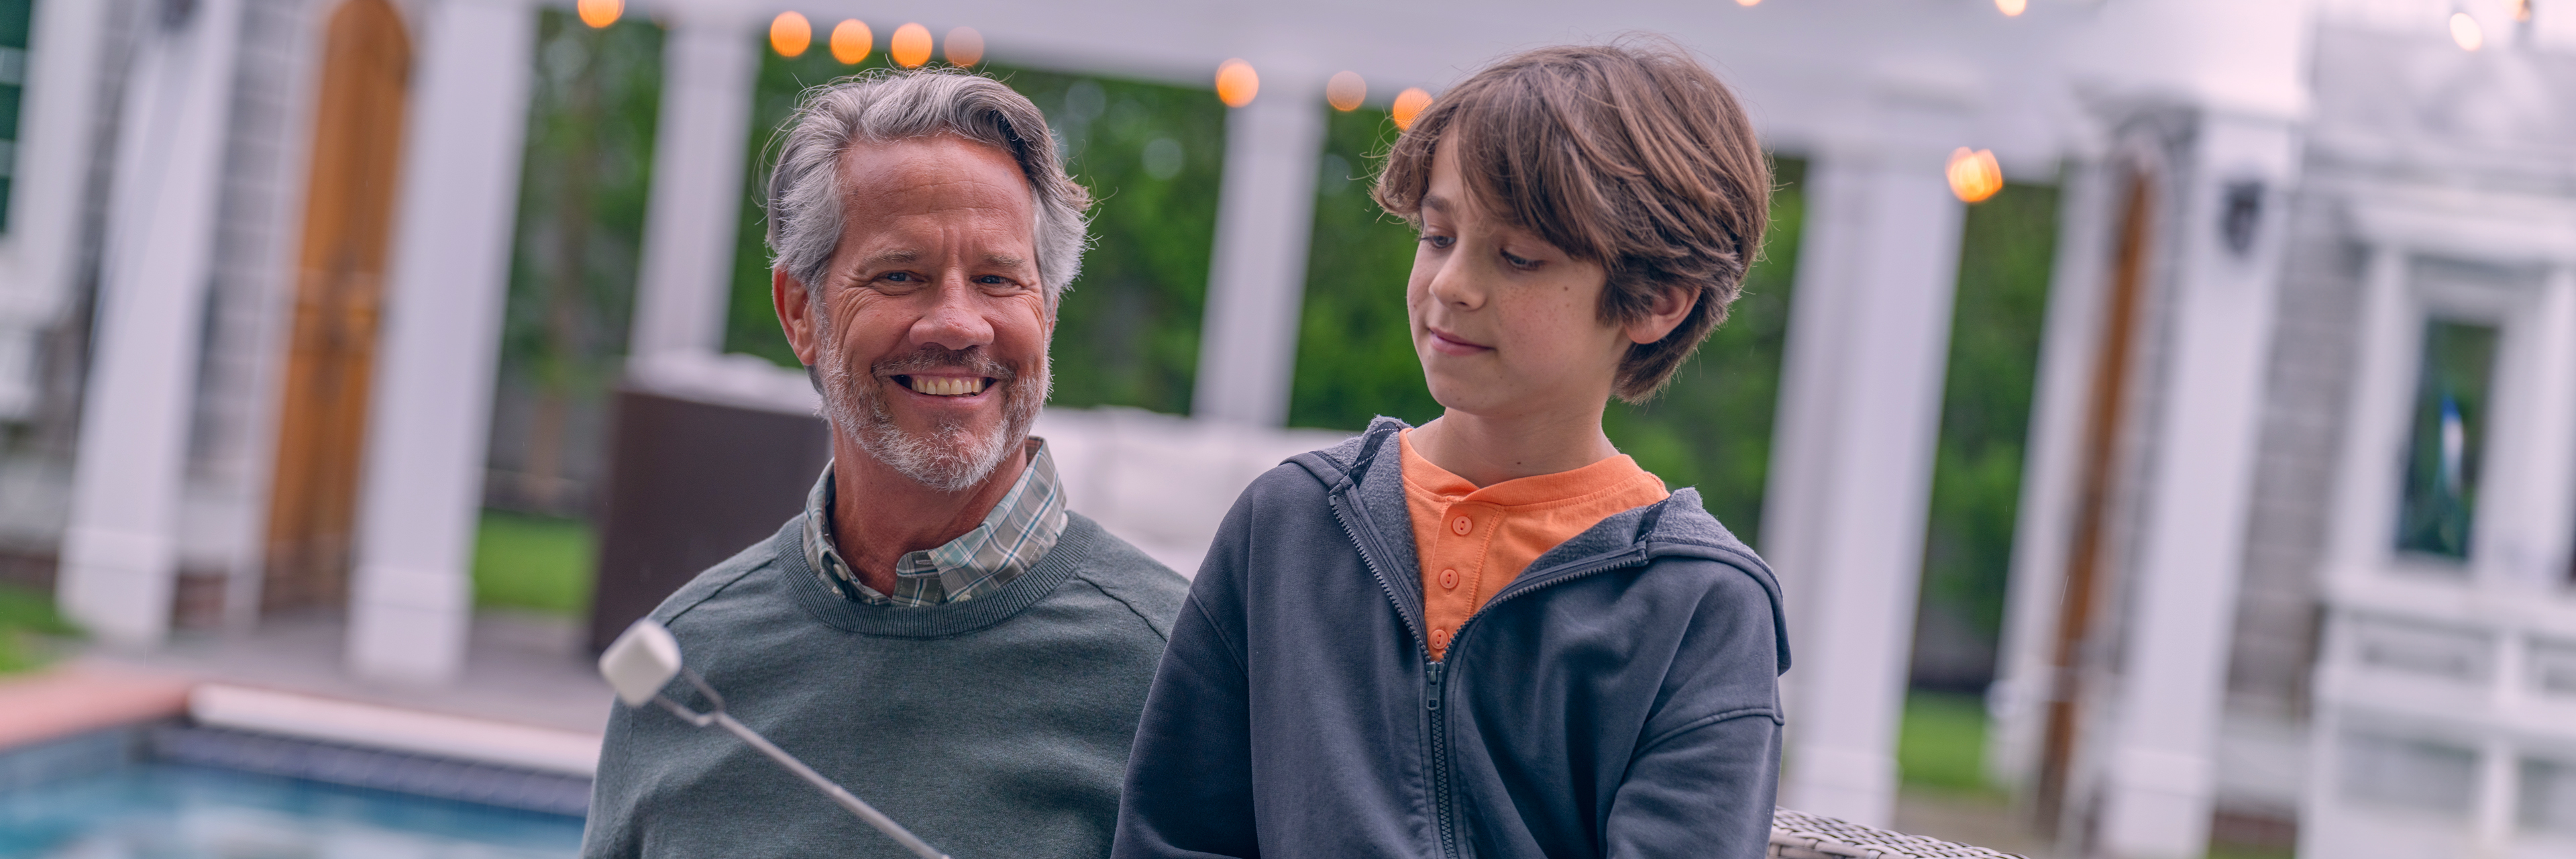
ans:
(599, 13)
(1974, 175)
(1409, 104)
(851, 41)
(1346, 90)
(910, 46)
(790, 34)
(965, 47)
(1237, 83)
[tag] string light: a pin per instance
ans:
(910, 46)
(2521, 10)
(965, 47)
(1346, 90)
(790, 34)
(1236, 83)
(1409, 104)
(851, 41)
(2466, 33)
(1748, 3)
(1974, 176)
(2012, 8)
(600, 13)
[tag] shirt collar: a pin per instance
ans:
(1019, 530)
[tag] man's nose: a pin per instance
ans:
(955, 320)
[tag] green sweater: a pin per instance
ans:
(993, 727)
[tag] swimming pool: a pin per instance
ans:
(168, 811)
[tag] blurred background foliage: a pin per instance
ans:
(2007, 250)
(582, 192)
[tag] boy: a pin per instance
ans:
(1493, 635)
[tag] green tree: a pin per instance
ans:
(2007, 250)
(588, 171)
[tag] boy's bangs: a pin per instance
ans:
(1528, 166)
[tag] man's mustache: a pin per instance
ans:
(972, 359)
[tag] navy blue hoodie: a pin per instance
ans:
(1619, 698)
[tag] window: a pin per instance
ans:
(17, 18)
(2438, 510)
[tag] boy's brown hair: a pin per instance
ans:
(1636, 158)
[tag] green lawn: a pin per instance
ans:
(25, 613)
(1942, 745)
(532, 562)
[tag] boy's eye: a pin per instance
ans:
(1517, 262)
(1439, 241)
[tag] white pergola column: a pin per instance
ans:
(120, 548)
(2158, 777)
(708, 66)
(1859, 418)
(429, 418)
(1248, 345)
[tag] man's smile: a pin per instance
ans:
(944, 386)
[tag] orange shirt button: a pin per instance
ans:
(1439, 638)
(1462, 525)
(1448, 578)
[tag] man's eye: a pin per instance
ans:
(991, 280)
(898, 277)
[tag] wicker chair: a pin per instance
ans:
(1798, 835)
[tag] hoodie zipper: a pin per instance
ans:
(1443, 794)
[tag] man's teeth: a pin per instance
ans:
(948, 386)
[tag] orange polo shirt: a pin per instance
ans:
(1473, 541)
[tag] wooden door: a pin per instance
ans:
(339, 285)
(2087, 573)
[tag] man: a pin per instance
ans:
(936, 632)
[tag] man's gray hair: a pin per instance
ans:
(881, 105)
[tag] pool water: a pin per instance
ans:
(161, 811)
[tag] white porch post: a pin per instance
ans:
(1248, 345)
(708, 66)
(1860, 415)
(2159, 778)
(429, 419)
(120, 549)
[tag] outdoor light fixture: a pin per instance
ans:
(2012, 8)
(910, 46)
(600, 13)
(1236, 83)
(646, 658)
(965, 47)
(1409, 104)
(1748, 3)
(851, 42)
(789, 34)
(2466, 33)
(1974, 176)
(2521, 10)
(1345, 91)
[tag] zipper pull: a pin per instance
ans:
(1433, 700)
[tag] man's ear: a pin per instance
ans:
(796, 309)
(1672, 303)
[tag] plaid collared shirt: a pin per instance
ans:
(1014, 536)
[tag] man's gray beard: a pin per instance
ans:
(950, 457)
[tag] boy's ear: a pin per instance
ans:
(1672, 303)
